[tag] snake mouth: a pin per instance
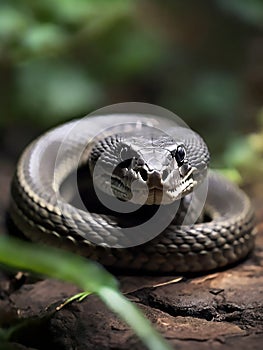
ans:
(167, 195)
(120, 190)
(182, 189)
(154, 195)
(136, 190)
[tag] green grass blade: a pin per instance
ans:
(133, 316)
(87, 274)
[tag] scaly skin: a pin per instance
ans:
(44, 214)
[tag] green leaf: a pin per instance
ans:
(44, 38)
(81, 11)
(232, 174)
(54, 90)
(12, 22)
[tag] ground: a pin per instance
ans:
(222, 310)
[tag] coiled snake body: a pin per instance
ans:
(166, 163)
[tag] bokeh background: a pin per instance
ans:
(201, 59)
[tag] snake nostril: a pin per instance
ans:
(164, 175)
(143, 174)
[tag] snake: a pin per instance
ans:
(144, 162)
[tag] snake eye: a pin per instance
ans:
(179, 154)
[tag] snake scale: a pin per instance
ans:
(167, 165)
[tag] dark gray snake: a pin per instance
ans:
(164, 162)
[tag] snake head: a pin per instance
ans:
(151, 168)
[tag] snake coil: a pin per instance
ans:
(169, 168)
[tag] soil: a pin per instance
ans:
(222, 310)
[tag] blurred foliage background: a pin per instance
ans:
(201, 59)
